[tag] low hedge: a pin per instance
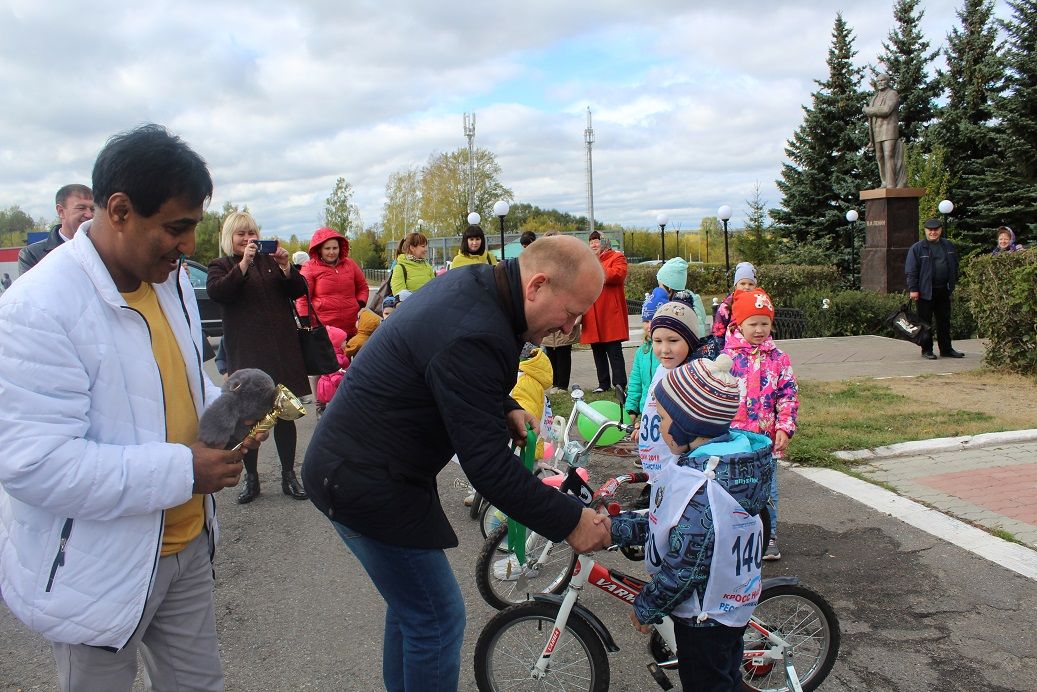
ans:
(709, 280)
(1002, 293)
(856, 313)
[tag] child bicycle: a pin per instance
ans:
(554, 642)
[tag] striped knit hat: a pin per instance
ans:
(701, 398)
(679, 317)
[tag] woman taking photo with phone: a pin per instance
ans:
(256, 289)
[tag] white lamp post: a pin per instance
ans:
(662, 220)
(724, 214)
(500, 210)
(852, 217)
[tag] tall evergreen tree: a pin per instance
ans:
(973, 80)
(906, 60)
(825, 169)
(1007, 185)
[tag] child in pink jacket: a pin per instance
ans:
(769, 394)
(327, 385)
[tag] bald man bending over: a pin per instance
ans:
(432, 381)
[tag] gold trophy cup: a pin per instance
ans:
(286, 406)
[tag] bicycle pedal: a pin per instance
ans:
(659, 676)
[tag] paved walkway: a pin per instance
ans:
(995, 487)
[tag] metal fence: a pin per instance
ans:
(376, 277)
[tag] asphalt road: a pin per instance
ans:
(296, 612)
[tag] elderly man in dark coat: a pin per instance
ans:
(932, 272)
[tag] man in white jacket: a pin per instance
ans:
(107, 527)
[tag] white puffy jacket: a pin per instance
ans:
(85, 472)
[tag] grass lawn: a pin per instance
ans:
(836, 416)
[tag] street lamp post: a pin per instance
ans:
(500, 210)
(852, 217)
(724, 214)
(662, 220)
(945, 207)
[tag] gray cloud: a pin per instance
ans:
(693, 108)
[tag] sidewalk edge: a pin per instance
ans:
(1017, 558)
(939, 444)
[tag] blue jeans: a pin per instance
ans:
(425, 615)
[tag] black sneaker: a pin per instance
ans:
(773, 552)
(928, 355)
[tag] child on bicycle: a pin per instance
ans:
(702, 534)
(770, 396)
(672, 339)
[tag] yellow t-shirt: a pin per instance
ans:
(183, 522)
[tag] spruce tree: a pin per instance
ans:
(906, 60)
(1007, 186)
(824, 173)
(974, 81)
(754, 243)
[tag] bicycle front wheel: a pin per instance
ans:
(512, 642)
(805, 620)
(503, 582)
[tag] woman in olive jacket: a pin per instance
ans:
(259, 330)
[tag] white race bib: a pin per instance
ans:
(650, 445)
(734, 584)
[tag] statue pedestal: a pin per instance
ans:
(891, 228)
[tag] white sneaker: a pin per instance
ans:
(469, 499)
(509, 569)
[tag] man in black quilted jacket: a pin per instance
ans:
(932, 272)
(432, 381)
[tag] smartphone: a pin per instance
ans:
(267, 247)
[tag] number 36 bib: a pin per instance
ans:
(733, 587)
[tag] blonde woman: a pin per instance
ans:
(255, 289)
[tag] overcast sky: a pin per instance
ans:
(692, 102)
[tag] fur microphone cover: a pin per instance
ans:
(247, 395)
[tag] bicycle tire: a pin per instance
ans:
(489, 519)
(807, 621)
(476, 506)
(512, 641)
(551, 577)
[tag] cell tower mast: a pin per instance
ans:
(469, 132)
(588, 137)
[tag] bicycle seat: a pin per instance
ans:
(557, 480)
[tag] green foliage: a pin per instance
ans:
(444, 191)
(906, 59)
(367, 250)
(529, 217)
(1002, 291)
(710, 280)
(755, 243)
(207, 233)
(927, 169)
(856, 313)
(974, 81)
(826, 168)
(1006, 187)
(340, 212)
(15, 224)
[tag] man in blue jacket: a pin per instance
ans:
(432, 381)
(932, 272)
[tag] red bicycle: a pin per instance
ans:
(552, 642)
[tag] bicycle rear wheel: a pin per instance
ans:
(805, 620)
(497, 572)
(512, 642)
(490, 519)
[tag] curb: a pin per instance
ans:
(1020, 559)
(939, 444)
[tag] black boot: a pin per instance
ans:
(251, 490)
(290, 485)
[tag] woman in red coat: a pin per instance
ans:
(336, 283)
(605, 326)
